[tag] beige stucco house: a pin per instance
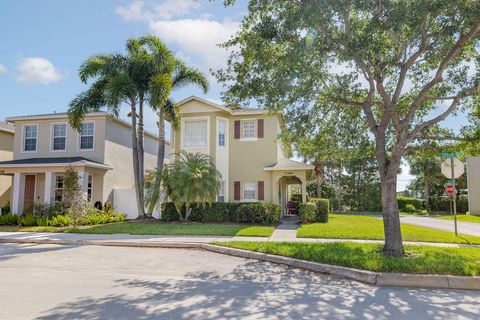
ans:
(45, 145)
(6, 153)
(473, 185)
(246, 149)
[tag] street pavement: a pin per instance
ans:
(447, 225)
(93, 282)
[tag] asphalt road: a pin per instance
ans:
(90, 282)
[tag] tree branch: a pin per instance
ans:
(440, 138)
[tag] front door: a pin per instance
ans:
(29, 195)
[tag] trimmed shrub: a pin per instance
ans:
(27, 220)
(404, 201)
(247, 212)
(60, 221)
(443, 204)
(271, 214)
(43, 221)
(307, 212)
(9, 219)
(323, 209)
(409, 208)
(95, 218)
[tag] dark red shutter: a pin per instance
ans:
(261, 192)
(236, 191)
(236, 134)
(260, 128)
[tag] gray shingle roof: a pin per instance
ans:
(289, 164)
(5, 126)
(54, 160)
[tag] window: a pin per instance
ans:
(221, 133)
(221, 192)
(30, 138)
(59, 189)
(249, 189)
(86, 136)
(249, 129)
(196, 133)
(59, 137)
(89, 187)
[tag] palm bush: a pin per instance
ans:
(192, 178)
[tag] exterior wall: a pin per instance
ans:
(118, 155)
(473, 180)
(6, 153)
(44, 138)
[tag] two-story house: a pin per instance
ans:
(45, 146)
(245, 145)
(6, 153)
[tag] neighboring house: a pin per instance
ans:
(45, 146)
(6, 153)
(473, 185)
(245, 145)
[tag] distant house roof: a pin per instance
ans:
(288, 164)
(56, 161)
(7, 127)
(64, 115)
(232, 109)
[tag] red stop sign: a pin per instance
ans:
(449, 189)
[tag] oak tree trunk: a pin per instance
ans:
(318, 169)
(426, 191)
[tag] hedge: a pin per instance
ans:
(307, 212)
(321, 210)
(443, 204)
(252, 212)
(404, 201)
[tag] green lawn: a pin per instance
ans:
(341, 226)
(462, 217)
(418, 259)
(194, 229)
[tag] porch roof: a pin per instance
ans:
(288, 164)
(53, 162)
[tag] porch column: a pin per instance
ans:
(49, 183)
(16, 197)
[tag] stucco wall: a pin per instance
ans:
(6, 153)
(473, 180)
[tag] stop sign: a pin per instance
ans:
(449, 189)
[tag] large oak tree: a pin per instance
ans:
(405, 64)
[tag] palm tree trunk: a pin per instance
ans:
(160, 162)
(135, 161)
(141, 153)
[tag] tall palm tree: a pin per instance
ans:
(168, 74)
(192, 179)
(117, 79)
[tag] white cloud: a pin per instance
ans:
(2, 69)
(166, 10)
(133, 12)
(37, 71)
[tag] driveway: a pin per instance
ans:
(447, 225)
(90, 282)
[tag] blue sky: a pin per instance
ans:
(45, 41)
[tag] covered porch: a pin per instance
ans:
(287, 173)
(40, 180)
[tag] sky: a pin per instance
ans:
(43, 43)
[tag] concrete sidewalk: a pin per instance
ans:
(287, 230)
(446, 225)
(16, 237)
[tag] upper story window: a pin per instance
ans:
(221, 132)
(86, 136)
(30, 134)
(195, 133)
(249, 190)
(59, 137)
(249, 129)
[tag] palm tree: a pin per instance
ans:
(192, 179)
(168, 74)
(117, 79)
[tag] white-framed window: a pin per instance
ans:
(87, 134)
(249, 129)
(222, 127)
(221, 192)
(195, 133)
(30, 134)
(59, 189)
(59, 136)
(249, 191)
(89, 187)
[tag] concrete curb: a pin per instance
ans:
(369, 277)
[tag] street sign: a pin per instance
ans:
(448, 183)
(449, 189)
(445, 155)
(458, 168)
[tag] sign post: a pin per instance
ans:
(452, 168)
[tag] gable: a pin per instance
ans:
(196, 106)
